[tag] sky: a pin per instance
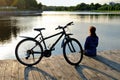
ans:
(72, 2)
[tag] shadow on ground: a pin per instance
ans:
(37, 74)
(41, 73)
(80, 69)
(110, 63)
(107, 62)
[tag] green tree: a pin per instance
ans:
(117, 6)
(104, 7)
(21, 4)
(31, 4)
(97, 5)
(92, 7)
(71, 8)
(82, 7)
(40, 6)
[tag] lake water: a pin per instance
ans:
(107, 24)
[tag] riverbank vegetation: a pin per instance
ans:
(85, 7)
(33, 5)
(19, 5)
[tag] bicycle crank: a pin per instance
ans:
(47, 53)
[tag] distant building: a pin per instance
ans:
(112, 3)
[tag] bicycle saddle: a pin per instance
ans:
(39, 29)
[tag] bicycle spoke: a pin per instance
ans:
(72, 51)
(29, 52)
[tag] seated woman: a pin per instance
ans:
(91, 42)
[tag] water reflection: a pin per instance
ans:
(12, 26)
(98, 18)
(7, 29)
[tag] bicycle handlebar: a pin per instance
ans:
(70, 23)
(60, 27)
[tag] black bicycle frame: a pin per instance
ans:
(43, 39)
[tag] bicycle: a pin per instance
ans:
(30, 51)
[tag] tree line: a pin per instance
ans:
(85, 7)
(27, 4)
(33, 5)
(21, 4)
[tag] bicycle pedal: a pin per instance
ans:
(26, 57)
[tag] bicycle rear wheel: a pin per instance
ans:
(72, 51)
(29, 52)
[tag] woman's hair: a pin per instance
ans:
(92, 31)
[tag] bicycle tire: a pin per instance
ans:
(72, 51)
(31, 49)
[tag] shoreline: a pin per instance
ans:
(20, 13)
(90, 12)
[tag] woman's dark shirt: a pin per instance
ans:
(90, 45)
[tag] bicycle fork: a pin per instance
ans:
(70, 45)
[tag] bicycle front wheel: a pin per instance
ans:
(73, 52)
(29, 52)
